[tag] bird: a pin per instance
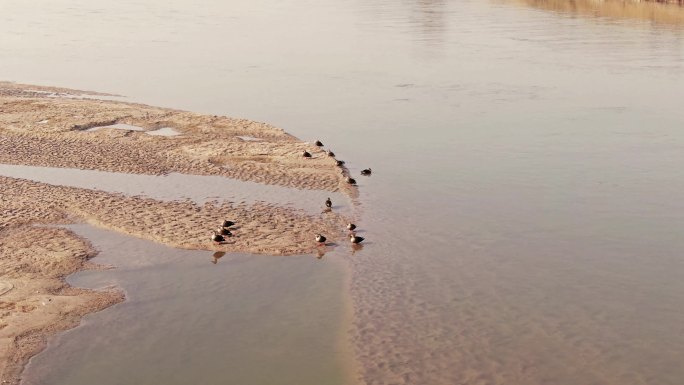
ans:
(306, 154)
(228, 223)
(217, 238)
(366, 171)
(340, 162)
(328, 203)
(223, 231)
(351, 180)
(351, 226)
(355, 239)
(319, 143)
(330, 153)
(320, 239)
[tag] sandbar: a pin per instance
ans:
(52, 127)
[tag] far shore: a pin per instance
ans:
(668, 12)
(45, 126)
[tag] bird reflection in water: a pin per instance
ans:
(356, 247)
(320, 253)
(217, 255)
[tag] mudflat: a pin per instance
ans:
(53, 127)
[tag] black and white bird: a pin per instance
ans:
(353, 238)
(217, 238)
(340, 162)
(319, 143)
(228, 223)
(328, 203)
(330, 153)
(306, 154)
(223, 231)
(320, 239)
(351, 227)
(366, 171)
(351, 180)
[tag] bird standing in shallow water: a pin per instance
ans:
(366, 172)
(320, 239)
(355, 239)
(351, 227)
(306, 154)
(351, 180)
(318, 143)
(340, 162)
(217, 238)
(330, 153)
(328, 203)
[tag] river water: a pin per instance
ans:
(524, 216)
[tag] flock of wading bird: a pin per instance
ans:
(353, 238)
(219, 235)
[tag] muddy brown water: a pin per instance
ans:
(524, 215)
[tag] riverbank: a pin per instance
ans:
(668, 12)
(50, 127)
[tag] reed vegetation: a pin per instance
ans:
(669, 12)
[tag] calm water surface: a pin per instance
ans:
(199, 317)
(525, 211)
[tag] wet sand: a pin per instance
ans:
(40, 303)
(43, 126)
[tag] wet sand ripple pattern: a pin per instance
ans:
(411, 327)
(51, 132)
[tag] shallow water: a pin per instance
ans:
(198, 317)
(118, 126)
(164, 131)
(174, 186)
(524, 216)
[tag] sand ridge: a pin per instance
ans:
(261, 228)
(49, 131)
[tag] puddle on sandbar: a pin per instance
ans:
(164, 131)
(249, 138)
(117, 126)
(65, 95)
(175, 186)
(197, 317)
